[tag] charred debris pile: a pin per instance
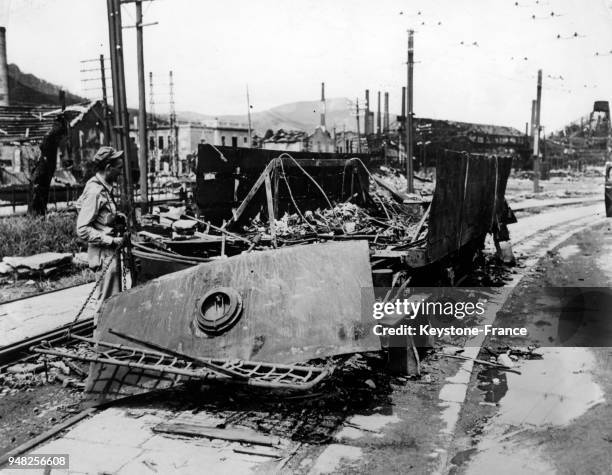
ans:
(373, 209)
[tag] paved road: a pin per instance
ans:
(538, 203)
(556, 416)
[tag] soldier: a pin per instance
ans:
(98, 218)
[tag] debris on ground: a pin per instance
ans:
(42, 370)
(386, 224)
(424, 182)
(43, 264)
(312, 417)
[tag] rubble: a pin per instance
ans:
(38, 262)
(384, 221)
(43, 264)
(312, 417)
(424, 182)
(42, 370)
(345, 220)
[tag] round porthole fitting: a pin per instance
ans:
(218, 310)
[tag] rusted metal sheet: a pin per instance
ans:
(468, 198)
(297, 303)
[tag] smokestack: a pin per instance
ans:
(386, 114)
(366, 125)
(4, 85)
(323, 108)
(533, 118)
(404, 101)
(378, 117)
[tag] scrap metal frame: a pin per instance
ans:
(250, 373)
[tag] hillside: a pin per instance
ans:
(28, 89)
(303, 115)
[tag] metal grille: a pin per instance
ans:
(149, 370)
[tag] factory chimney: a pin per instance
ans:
(378, 117)
(323, 106)
(386, 114)
(4, 84)
(366, 118)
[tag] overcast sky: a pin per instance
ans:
(284, 49)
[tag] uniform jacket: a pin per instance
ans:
(97, 212)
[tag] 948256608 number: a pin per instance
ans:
(39, 460)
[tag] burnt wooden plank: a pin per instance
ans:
(245, 436)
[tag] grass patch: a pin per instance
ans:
(27, 235)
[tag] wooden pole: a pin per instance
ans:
(173, 142)
(107, 122)
(358, 131)
(114, 139)
(122, 120)
(155, 157)
(536, 137)
(142, 113)
(409, 144)
(249, 117)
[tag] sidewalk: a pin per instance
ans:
(34, 315)
(536, 203)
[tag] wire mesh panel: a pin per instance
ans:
(122, 370)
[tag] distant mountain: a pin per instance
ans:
(28, 89)
(304, 115)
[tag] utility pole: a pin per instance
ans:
(153, 126)
(142, 113)
(101, 91)
(121, 117)
(107, 125)
(335, 139)
(249, 117)
(409, 85)
(533, 118)
(358, 132)
(536, 136)
(173, 130)
(323, 106)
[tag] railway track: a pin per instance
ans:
(44, 292)
(20, 351)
